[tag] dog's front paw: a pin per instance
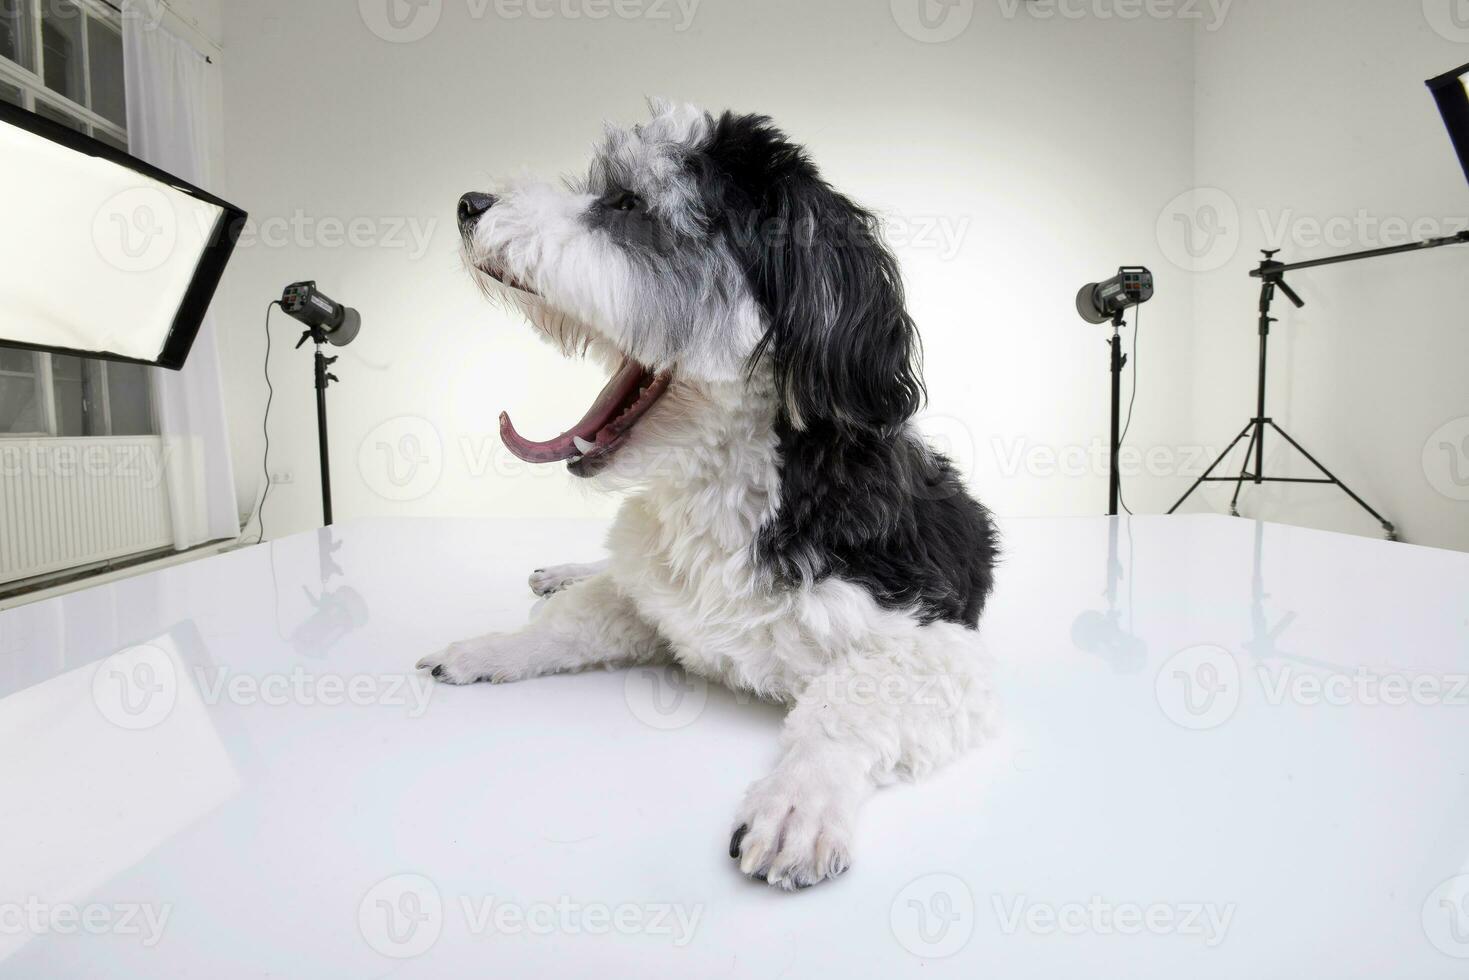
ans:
(486, 658)
(554, 578)
(793, 833)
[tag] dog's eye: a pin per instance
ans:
(626, 201)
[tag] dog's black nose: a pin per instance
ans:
(474, 204)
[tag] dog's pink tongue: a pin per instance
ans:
(615, 394)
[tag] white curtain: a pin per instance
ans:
(171, 90)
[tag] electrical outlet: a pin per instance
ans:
(283, 476)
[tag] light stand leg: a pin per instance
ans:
(1387, 525)
(1244, 469)
(1212, 467)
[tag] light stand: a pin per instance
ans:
(327, 322)
(1119, 360)
(1272, 276)
(323, 378)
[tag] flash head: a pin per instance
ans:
(1099, 302)
(338, 324)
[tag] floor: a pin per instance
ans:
(1228, 750)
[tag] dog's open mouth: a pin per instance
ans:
(602, 430)
(605, 427)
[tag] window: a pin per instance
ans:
(62, 59)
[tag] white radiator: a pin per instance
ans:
(71, 502)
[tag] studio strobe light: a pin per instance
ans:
(327, 322)
(1100, 302)
(317, 310)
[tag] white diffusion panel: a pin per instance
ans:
(93, 256)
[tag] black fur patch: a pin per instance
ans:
(861, 497)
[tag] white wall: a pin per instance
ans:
(1047, 146)
(1310, 113)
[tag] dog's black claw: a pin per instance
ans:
(734, 841)
(439, 670)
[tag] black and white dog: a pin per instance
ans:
(789, 532)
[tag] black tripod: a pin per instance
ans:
(323, 378)
(1271, 275)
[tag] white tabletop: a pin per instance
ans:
(209, 772)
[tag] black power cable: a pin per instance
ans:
(265, 426)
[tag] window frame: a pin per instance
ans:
(32, 85)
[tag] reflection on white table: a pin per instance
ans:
(1227, 750)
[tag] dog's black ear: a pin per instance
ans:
(843, 349)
